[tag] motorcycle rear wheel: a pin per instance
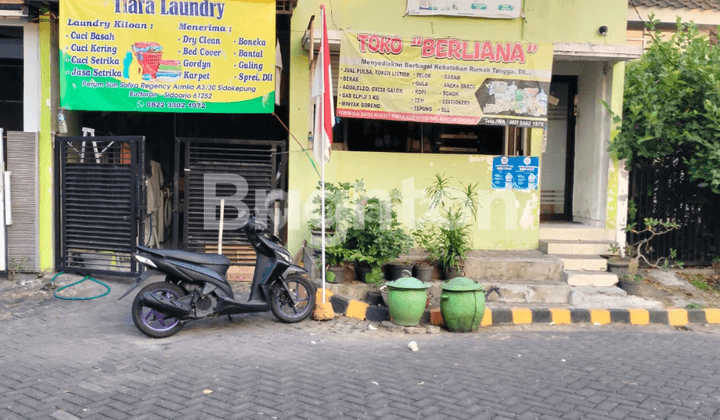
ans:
(281, 304)
(152, 322)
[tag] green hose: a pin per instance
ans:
(76, 283)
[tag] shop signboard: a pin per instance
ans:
(444, 80)
(515, 172)
(167, 56)
(499, 9)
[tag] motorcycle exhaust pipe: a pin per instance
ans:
(165, 305)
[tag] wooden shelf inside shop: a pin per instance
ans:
(459, 136)
(446, 149)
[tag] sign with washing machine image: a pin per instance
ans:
(167, 56)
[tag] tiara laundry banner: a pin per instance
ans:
(167, 55)
(444, 80)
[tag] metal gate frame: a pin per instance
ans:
(277, 164)
(664, 190)
(74, 240)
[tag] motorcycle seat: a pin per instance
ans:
(219, 263)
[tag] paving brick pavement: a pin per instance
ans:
(66, 360)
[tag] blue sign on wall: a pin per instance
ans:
(515, 172)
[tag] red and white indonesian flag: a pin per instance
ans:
(322, 92)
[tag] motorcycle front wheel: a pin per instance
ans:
(281, 304)
(152, 322)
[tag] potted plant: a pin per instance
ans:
(454, 242)
(637, 252)
(394, 270)
(617, 263)
(375, 236)
(336, 213)
(631, 283)
(335, 262)
(425, 238)
(448, 238)
(367, 268)
(423, 270)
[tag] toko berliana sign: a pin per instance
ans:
(444, 80)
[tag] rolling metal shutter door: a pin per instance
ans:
(257, 162)
(22, 158)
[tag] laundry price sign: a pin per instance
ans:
(444, 80)
(168, 55)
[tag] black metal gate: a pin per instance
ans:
(248, 174)
(100, 196)
(664, 190)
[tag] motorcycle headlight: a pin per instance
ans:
(286, 257)
(145, 260)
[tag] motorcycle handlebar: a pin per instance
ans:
(249, 223)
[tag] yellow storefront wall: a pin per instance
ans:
(506, 219)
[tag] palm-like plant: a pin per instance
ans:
(448, 240)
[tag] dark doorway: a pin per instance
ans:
(11, 73)
(556, 193)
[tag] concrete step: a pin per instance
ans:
(583, 262)
(573, 231)
(555, 247)
(514, 266)
(537, 292)
(591, 278)
(608, 297)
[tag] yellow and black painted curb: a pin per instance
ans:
(552, 316)
(560, 316)
(358, 309)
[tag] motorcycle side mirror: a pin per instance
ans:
(248, 222)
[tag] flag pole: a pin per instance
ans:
(322, 221)
(322, 158)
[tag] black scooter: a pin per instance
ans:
(195, 286)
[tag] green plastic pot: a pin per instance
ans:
(462, 304)
(407, 297)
